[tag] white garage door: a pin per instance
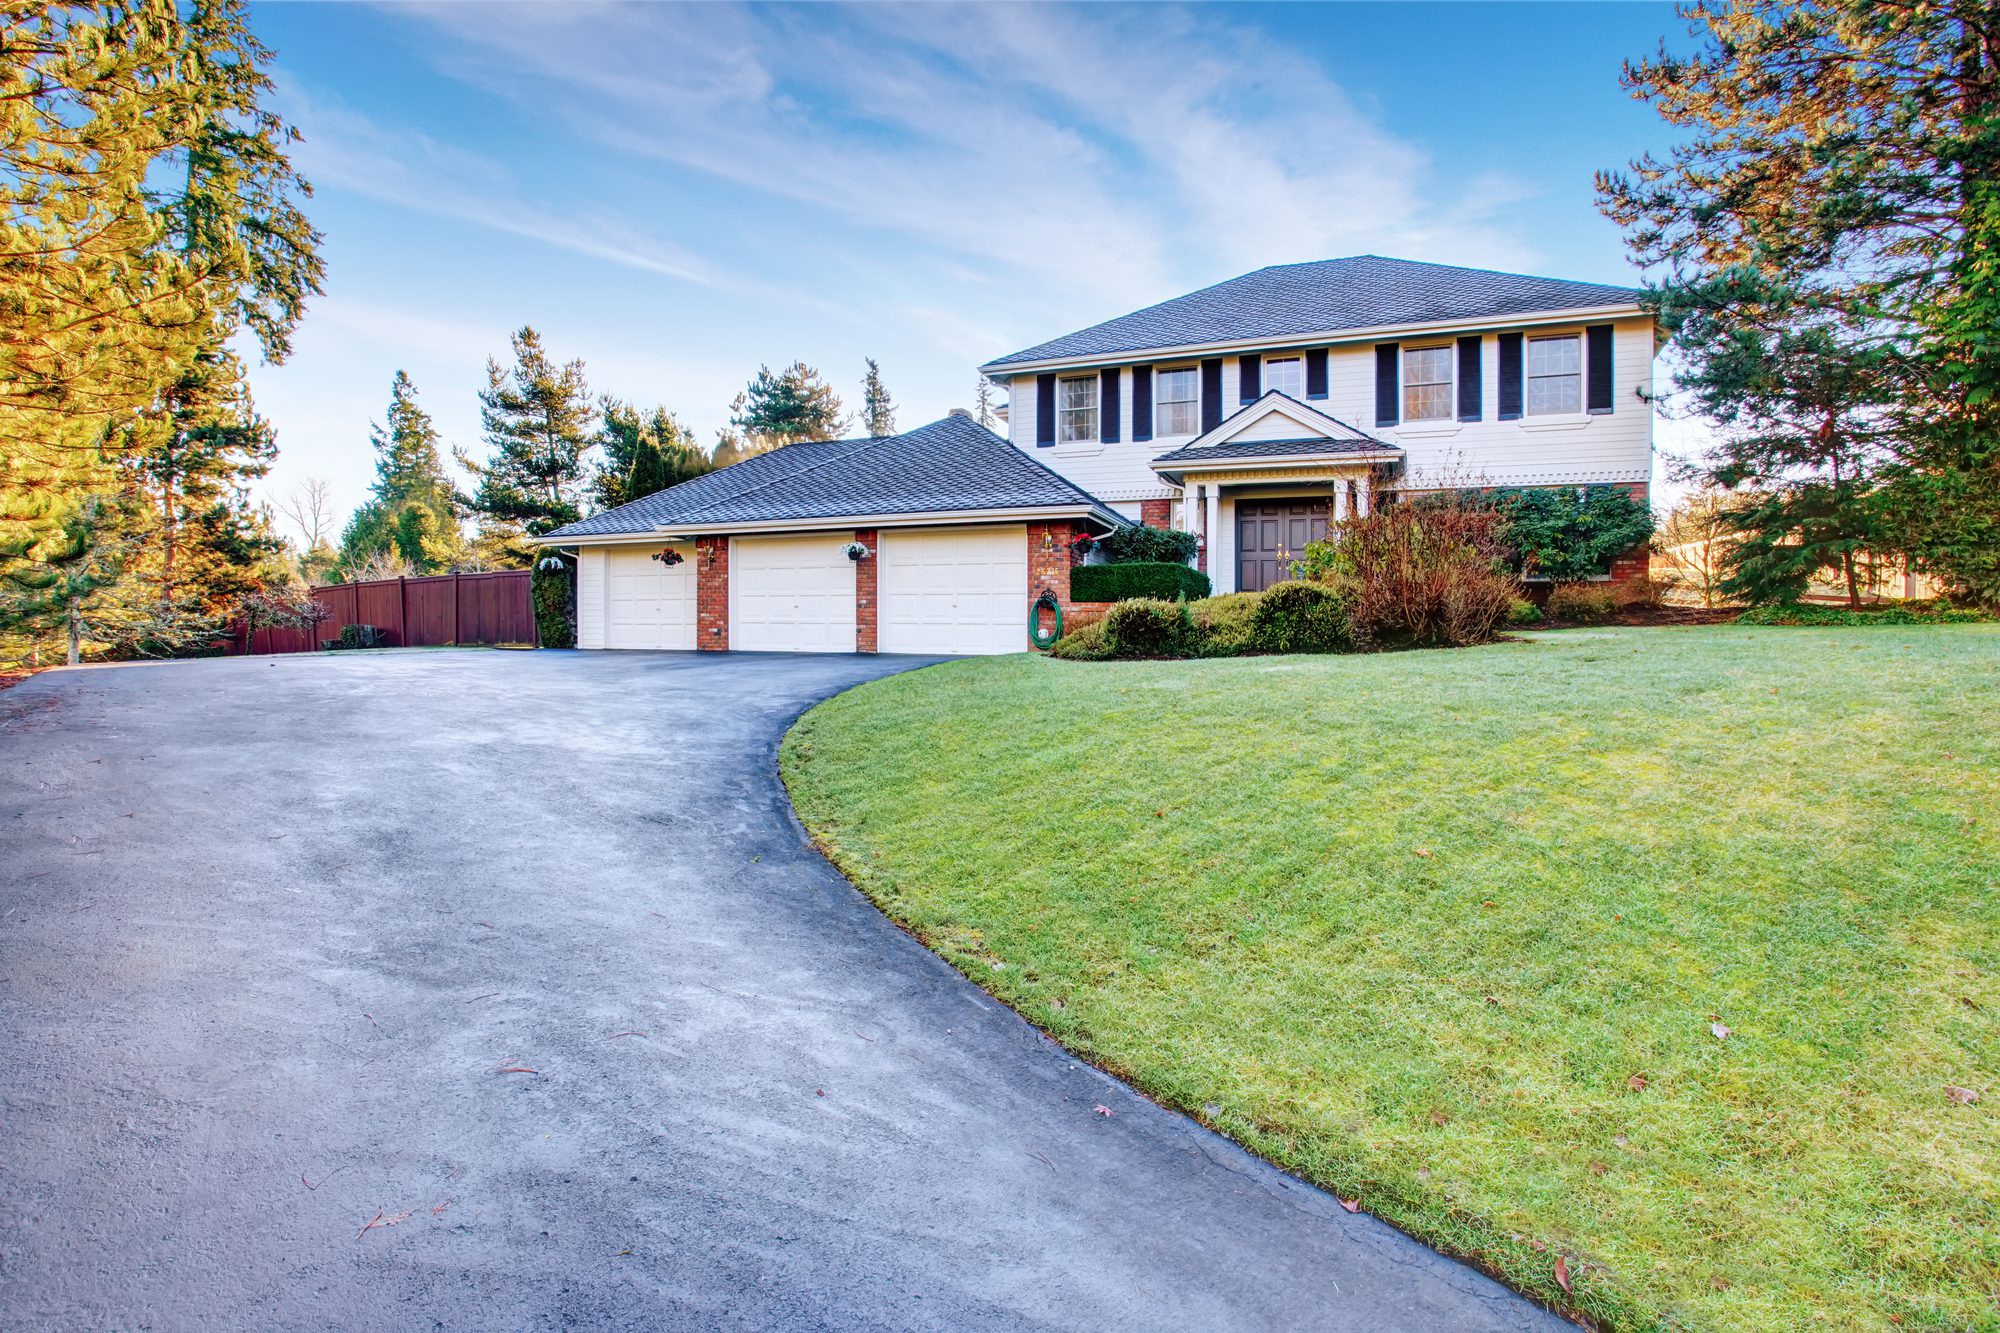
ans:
(647, 603)
(954, 590)
(791, 594)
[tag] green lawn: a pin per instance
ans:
(1447, 933)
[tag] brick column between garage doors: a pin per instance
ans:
(711, 594)
(864, 591)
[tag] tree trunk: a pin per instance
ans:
(1853, 587)
(75, 633)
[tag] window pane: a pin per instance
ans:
(1555, 393)
(1175, 419)
(1555, 356)
(1427, 402)
(1426, 383)
(1287, 375)
(1427, 365)
(1079, 393)
(1175, 402)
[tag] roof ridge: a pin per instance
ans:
(861, 447)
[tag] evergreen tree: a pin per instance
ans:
(982, 404)
(1826, 234)
(731, 447)
(878, 411)
(152, 212)
(412, 509)
(796, 404)
(642, 455)
(537, 418)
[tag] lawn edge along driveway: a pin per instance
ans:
(1659, 952)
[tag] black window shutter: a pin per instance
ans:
(1510, 377)
(1597, 368)
(1045, 411)
(1388, 378)
(1316, 373)
(1107, 405)
(1469, 375)
(1142, 402)
(1249, 379)
(1211, 395)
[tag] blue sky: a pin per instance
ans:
(677, 194)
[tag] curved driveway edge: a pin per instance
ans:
(276, 934)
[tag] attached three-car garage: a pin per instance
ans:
(927, 542)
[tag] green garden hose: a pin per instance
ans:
(1035, 635)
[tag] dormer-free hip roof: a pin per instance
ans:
(1328, 296)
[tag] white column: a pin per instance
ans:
(1340, 500)
(1361, 501)
(1221, 552)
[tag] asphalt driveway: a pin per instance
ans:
(484, 990)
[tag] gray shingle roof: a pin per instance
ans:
(1319, 444)
(1325, 296)
(948, 466)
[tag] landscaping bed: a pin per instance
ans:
(1672, 954)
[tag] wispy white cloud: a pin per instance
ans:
(1101, 157)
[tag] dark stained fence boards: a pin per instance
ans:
(428, 612)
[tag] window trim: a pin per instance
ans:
(1450, 383)
(1528, 340)
(1264, 372)
(1193, 370)
(1096, 409)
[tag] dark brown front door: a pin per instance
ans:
(1270, 535)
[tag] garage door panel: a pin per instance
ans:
(647, 602)
(791, 594)
(953, 590)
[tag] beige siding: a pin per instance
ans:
(1530, 452)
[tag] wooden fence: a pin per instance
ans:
(410, 613)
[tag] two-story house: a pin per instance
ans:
(1254, 412)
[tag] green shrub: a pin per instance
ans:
(1570, 532)
(361, 636)
(1150, 627)
(1222, 624)
(1084, 644)
(1583, 603)
(1521, 611)
(1898, 613)
(1136, 544)
(1161, 580)
(555, 621)
(1301, 617)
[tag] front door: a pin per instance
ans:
(1270, 534)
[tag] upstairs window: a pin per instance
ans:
(1286, 374)
(1176, 402)
(1555, 375)
(1427, 383)
(1076, 410)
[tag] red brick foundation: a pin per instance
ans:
(711, 594)
(1156, 513)
(864, 591)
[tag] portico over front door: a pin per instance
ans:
(1270, 534)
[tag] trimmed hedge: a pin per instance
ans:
(1300, 617)
(1917, 613)
(1150, 627)
(1137, 544)
(1284, 618)
(555, 604)
(1157, 579)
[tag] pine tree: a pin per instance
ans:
(537, 418)
(1827, 231)
(794, 405)
(642, 455)
(152, 212)
(730, 447)
(412, 509)
(982, 404)
(878, 410)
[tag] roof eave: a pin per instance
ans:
(926, 518)
(1176, 472)
(1530, 319)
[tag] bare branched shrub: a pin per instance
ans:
(1425, 574)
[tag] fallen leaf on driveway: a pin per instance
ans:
(1104, 1111)
(1351, 1205)
(1963, 1096)
(517, 1069)
(382, 1219)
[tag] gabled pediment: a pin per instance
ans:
(1277, 426)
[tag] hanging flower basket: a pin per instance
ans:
(855, 551)
(669, 557)
(1082, 544)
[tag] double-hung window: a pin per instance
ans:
(1427, 383)
(1555, 375)
(1176, 402)
(1076, 410)
(1285, 374)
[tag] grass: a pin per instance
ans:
(1449, 933)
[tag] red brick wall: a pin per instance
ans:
(1637, 562)
(864, 591)
(711, 594)
(1156, 513)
